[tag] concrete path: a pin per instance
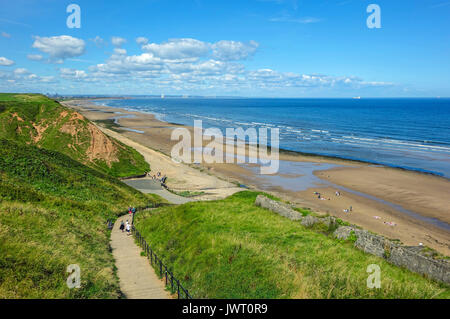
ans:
(151, 186)
(137, 277)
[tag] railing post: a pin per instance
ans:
(154, 258)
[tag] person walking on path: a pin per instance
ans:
(128, 228)
(122, 226)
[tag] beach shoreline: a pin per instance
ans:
(419, 192)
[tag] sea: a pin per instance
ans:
(409, 133)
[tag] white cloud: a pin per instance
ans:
(126, 65)
(5, 62)
(99, 42)
(72, 74)
(190, 50)
(205, 68)
(118, 41)
(21, 71)
(22, 78)
(178, 49)
(5, 35)
(59, 47)
(190, 64)
(35, 57)
(120, 51)
(233, 50)
(141, 40)
(46, 79)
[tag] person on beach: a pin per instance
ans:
(122, 226)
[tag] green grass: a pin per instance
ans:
(38, 120)
(233, 249)
(53, 213)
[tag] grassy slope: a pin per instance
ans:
(53, 212)
(233, 249)
(22, 115)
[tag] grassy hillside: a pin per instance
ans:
(233, 249)
(53, 213)
(34, 119)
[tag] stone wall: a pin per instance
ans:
(277, 207)
(409, 257)
(412, 258)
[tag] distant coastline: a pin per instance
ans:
(287, 150)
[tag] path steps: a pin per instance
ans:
(137, 277)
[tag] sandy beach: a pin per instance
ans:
(405, 205)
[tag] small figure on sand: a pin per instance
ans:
(390, 223)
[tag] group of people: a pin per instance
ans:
(125, 227)
(319, 196)
(158, 177)
(337, 193)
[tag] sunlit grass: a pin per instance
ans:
(233, 249)
(53, 213)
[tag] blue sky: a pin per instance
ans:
(273, 48)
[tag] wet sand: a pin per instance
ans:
(378, 195)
